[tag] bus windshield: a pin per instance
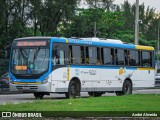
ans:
(29, 60)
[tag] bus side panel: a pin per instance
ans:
(88, 76)
(146, 81)
(136, 77)
(110, 78)
(59, 80)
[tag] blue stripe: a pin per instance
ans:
(95, 43)
(103, 67)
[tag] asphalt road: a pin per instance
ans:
(23, 98)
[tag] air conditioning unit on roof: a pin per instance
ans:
(103, 40)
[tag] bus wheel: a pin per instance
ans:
(127, 87)
(73, 90)
(38, 95)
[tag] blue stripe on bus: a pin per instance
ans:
(95, 43)
(103, 67)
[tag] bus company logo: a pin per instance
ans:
(92, 72)
(6, 114)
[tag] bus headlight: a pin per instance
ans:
(45, 80)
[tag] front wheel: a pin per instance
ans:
(38, 95)
(73, 90)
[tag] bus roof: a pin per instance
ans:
(92, 41)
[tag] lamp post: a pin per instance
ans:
(95, 25)
(158, 45)
(137, 23)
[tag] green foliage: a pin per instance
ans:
(109, 24)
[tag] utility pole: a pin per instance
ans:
(137, 23)
(95, 25)
(95, 29)
(158, 37)
(158, 45)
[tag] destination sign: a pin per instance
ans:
(31, 43)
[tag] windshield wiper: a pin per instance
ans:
(23, 54)
(36, 54)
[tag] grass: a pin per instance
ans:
(134, 102)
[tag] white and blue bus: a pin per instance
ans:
(44, 65)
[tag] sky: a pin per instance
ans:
(151, 3)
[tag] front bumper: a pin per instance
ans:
(30, 87)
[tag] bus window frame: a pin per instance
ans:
(65, 53)
(69, 62)
(152, 57)
(139, 57)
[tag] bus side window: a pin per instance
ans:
(106, 56)
(62, 57)
(58, 55)
(146, 59)
(92, 55)
(76, 54)
(120, 57)
(134, 58)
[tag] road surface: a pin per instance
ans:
(23, 98)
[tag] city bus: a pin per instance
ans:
(44, 65)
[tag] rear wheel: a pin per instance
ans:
(38, 95)
(73, 90)
(127, 89)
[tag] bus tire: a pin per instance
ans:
(127, 87)
(126, 90)
(73, 90)
(38, 95)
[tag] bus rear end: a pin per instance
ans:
(30, 65)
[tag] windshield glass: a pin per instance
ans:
(30, 60)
